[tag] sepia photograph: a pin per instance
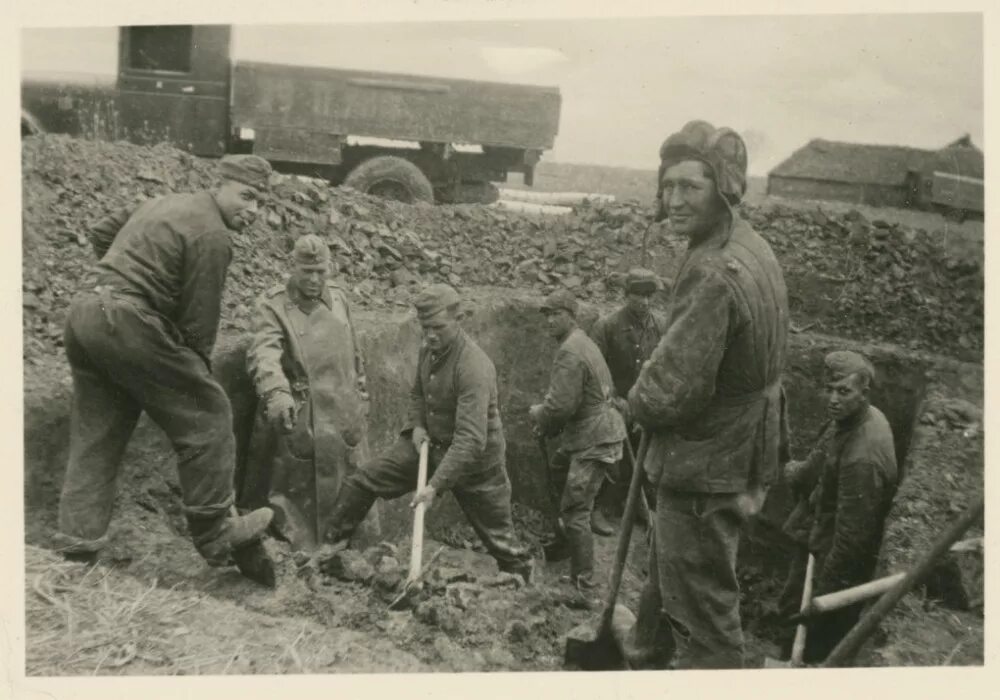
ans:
(519, 344)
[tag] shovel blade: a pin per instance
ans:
(592, 647)
(408, 597)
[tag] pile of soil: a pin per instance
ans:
(846, 275)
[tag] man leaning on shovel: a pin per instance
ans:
(453, 407)
(710, 399)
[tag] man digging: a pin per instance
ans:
(142, 340)
(453, 407)
(626, 339)
(307, 369)
(711, 401)
(578, 407)
(845, 488)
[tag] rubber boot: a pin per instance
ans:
(216, 538)
(353, 504)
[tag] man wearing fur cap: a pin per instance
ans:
(845, 486)
(453, 407)
(307, 369)
(710, 399)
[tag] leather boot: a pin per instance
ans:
(525, 568)
(353, 504)
(581, 557)
(215, 539)
(599, 524)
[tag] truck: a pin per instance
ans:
(957, 196)
(406, 137)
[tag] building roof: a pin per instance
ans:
(852, 162)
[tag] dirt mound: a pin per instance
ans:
(846, 275)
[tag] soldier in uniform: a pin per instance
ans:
(845, 485)
(710, 398)
(578, 407)
(142, 341)
(626, 338)
(453, 406)
(307, 369)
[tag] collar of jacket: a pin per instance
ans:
(639, 324)
(302, 302)
(846, 426)
(720, 234)
(437, 358)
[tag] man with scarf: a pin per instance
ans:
(626, 339)
(711, 401)
(453, 407)
(845, 488)
(307, 369)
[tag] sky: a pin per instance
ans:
(903, 79)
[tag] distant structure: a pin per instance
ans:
(883, 176)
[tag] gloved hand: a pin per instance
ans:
(419, 437)
(792, 470)
(281, 410)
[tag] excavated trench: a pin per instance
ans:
(147, 532)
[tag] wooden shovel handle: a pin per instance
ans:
(417, 547)
(799, 645)
(625, 533)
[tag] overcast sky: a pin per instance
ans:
(913, 80)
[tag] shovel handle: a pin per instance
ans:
(417, 546)
(799, 644)
(625, 533)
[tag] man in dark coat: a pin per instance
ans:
(845, 485)
(578, 407)
(453, 407)
(626, 338)
(142, 340)
(710, 398)
(307, 369)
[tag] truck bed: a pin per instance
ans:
(303, 100)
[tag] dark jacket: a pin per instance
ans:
(626, 343)
(577, 401)
(172, 252)
(711, 396)
(454, 397)
(851, 478)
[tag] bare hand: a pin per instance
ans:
(425, 496)
(535, 412)
(281, 410)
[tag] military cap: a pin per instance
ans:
(640, 281)
(843, 363)
(248, 169)
(560, 299)
(434, 299)
(310, 250)
(722, 149)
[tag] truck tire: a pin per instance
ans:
(391, 177)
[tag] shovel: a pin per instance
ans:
(597, 645)
(413, 584)
(799, 644)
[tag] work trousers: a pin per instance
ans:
(823, 632)
(125, 358)
(483, 496)
(582, 481)
(694, 566)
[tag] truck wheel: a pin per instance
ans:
(391, 177)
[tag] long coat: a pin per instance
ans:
(308, 349)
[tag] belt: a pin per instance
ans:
(750, 397)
